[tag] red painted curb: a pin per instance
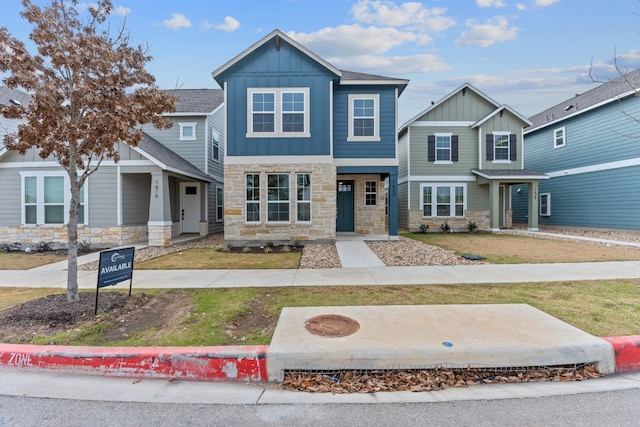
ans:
(236, 363)
(627, 351)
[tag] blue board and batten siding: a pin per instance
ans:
(287, 67)
(601, 194)
(386, 147)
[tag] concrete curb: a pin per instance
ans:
(221, 363)
(225, 363)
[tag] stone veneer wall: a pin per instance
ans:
(369, 219)
(323, 205)
(481, 218)
(57, 234)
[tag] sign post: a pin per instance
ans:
(115, 266)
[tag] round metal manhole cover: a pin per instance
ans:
(331, 325)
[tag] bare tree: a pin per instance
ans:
(90, 91)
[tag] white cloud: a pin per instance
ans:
(230, 24)
(391, 65)
(350, 40)
(492, 31)
(121, 10)
(521, 6)
(491, 3)
(177, 21)
(412, 14)
(545, 3)
(206, 25)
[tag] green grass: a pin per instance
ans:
(211, 258)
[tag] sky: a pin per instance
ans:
(528, 54)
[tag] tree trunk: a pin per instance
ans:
(72, 244)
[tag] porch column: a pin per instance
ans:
(393, 206)
(159, 224)
(532, 222)
(494, 205)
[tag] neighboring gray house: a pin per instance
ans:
(169, 185)
(589, 146)
(458, 160)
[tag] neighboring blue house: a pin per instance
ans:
(308, 146)
(589, 146)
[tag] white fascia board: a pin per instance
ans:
(275, 160)
(366, 162)
(595, 168)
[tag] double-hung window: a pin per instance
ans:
(545, 204)
(303, 202)
(46, 199)
(443, 200)
(215, 146)
(252, 197)
(278, 197)
(370, 193)
(559, 139)
(278, 112)
(443, 148)
(501, 146)
(364, 117)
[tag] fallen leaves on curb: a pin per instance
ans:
(424, 380)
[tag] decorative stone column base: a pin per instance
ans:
(159, 234)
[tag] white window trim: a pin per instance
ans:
(375, 183)
(213, 141)
(564, 137)
(309, 202)
(548, 212)
(452, 206)
(259, 201)
(40, 175)
(507, 160)
(278, 133)
(184, 125)
(443, 162)
(376, 118)
(219, 203)
(266, 183)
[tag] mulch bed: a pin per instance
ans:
(276, 249)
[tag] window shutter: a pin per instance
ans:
(513, 155)
(431, 148)
(489, 146)
(454, 148)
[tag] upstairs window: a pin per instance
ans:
(559, 139)
(501, 146)
(442, 148)
(215, 146)
(364, 117)
(278, 112)
(188, 131)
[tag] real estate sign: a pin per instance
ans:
(115, 266)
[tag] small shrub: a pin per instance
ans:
(11, 247)
(246, 249)
(285, 249)
(472, 226)
(445, 227)
(268, 250)
(296, 243)
(84, 246)
(269, 244)
(424, 228)
(42, 246)
(226, 248)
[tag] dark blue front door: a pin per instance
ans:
(345, 220)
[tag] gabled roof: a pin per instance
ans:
(468, 86)
(168, 159)
(606, 93)
(346, 77)
(6, 95)
(198, 101)
(502, 108)
(275, 34)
